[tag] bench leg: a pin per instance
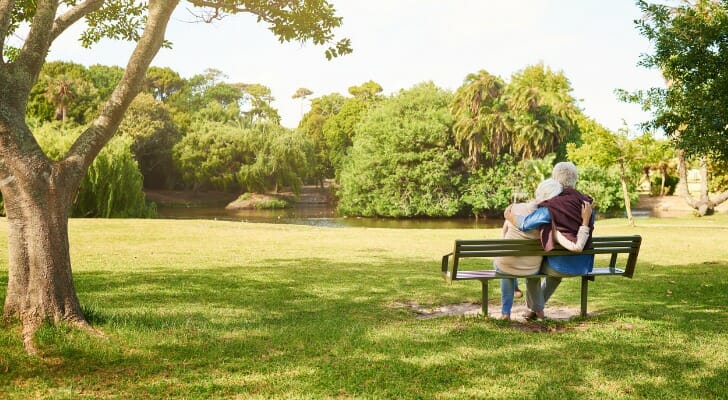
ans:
(484, 306)
(584, 290)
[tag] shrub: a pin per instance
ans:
(272, 204)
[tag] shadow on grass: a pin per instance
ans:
(311, 328)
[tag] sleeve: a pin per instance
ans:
(533, 220)
(581, 239)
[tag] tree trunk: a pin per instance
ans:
(703, 206)
(646, 171)
(625, 193)
(706, 206)
(40, 284)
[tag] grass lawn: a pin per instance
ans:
(230, 310)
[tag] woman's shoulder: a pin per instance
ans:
(523, 208)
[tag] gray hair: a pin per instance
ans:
(547, 189)
(565, 173)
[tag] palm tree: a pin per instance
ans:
(480, 117)
(60, 93)
(542, 111)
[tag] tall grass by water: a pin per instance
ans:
(199, 309)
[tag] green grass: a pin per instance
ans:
(229, 310)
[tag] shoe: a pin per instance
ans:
(532, 316)
(517, 293)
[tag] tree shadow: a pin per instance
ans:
(313, 328)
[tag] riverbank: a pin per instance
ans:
(313, 196)
(309, 196)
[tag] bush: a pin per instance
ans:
(272, 204)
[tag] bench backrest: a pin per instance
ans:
(488, 248)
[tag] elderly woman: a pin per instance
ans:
(529, 265)
(565, 214)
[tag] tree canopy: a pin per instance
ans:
(691, 50)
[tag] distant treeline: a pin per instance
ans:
(423, 151)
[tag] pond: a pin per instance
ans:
(325, 216)
(322, 216)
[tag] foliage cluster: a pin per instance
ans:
(261, 158)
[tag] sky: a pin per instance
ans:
(400, 43)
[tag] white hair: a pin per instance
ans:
(565, 173)
(547, 189)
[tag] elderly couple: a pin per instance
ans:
(558, 214)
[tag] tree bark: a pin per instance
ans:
(40, 283)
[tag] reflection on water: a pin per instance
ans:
(324, 217)
(327, 217)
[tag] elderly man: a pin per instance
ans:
(562, 213)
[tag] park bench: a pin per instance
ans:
(614, 256)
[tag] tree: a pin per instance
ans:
(222, 156)
(541, 112)
(258, 98)
(606, 150)
(69, 92)
(162, 82)
(340, 129)
(401, 162)
(480, 117)
(659, 156)
(149, 126)
(38, 191)
(367, 91)
(302, 93)
(112, 187)
(312, 124)
(691, 51)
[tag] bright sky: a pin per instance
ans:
(399, 43)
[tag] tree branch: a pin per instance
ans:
(6, 8)
(91, 141)
(219, 6)
(74, 14)
(721, 198)
(38, 42)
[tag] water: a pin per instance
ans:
(323, 216)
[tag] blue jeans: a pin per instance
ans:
(508, 287)
(537, 292)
